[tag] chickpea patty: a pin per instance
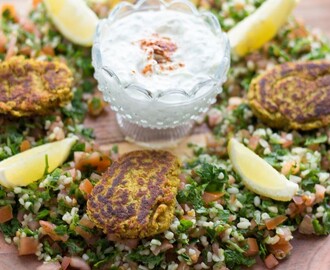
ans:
(136, 197)
(293, 95)
(30, 87)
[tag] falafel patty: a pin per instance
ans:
(136, 197)
(293, 95)
(30, 87)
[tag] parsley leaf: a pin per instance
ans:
(185, 225)
(61, 229)
(9, 228)
(234, 259)
(191, 194)
(42, 214)
(146, 259)
(74, 247)
(318, 140)
(214, 177)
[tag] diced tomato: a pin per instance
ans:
(25, 145)
(253, 248)
(35, 3)
(166, 245)
(86, 186)
(27, 246)
(73, 173)
(3, 42)
(270, 261)
(25, 50)
(6, 213)
(86, 222)
(272, 223)
(287, 143)
(234, 102)
(11, 48)
(131, 243)
(309, 199)
(306, 226)
(319, 193)
(314, 147)
(49, 229)
(253, 224)
(209, 197)
(48, 50)
(280, 250)
(292, 210)
(253, 142)
(85, 234)
(28, 25)
(298, 200)
(290, 167)
(96, 160)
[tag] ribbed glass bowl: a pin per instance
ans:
(146, 115)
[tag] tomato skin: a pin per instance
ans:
(49, 229)
(209, 197)
(270, 261)
(6, 213)
(272, 223)
(27, 246)
(86, 186)
(253, 249)
(25, 145)
(96, 160)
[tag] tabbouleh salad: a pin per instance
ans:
(219, 224)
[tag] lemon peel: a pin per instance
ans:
(26, 167)
(258, 175)
(74, 19)
(261, 26)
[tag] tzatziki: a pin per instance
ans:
(162, 50)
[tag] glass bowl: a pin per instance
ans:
(163, 115)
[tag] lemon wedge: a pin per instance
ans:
(259, 176)
(261, 26)
(29, 166)
(74, 19)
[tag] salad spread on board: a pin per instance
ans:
(263, 174)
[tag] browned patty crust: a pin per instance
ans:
(31, 87)
(136, 197)
(293, 95)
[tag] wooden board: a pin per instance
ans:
(309, 253)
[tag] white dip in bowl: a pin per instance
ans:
(162, 49)
(160, 65)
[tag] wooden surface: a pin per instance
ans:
(309, 253)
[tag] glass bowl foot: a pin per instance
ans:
(153, 137)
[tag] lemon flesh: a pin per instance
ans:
(255, 30)
(259, 176)
(74, 19)
(29, 166)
